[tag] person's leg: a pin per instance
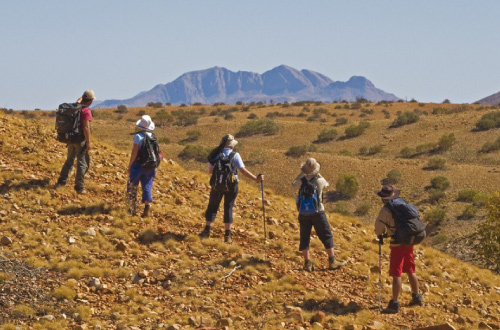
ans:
(229, 199)
(146, 178)
(409, 268)
(81, 165)
(211, 212)
(68, 164)
(324, 232)
(132, 184)
(305, 239)
(396, 287)
(395, 270)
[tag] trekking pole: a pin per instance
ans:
(263, 210)
(380, 242)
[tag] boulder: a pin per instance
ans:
(5, 241)
(319, 317)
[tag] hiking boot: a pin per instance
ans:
(81, 191)
(60, 183)
(227, 239)
(392, 308)
(335, 264)
(205, 233)
(308, 266)
(145, 213)
(416, 300)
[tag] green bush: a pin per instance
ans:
(489, 233)
(393, 176)
(467, 195)
(435, 216)
(439, 238)
(154, 104)
(436, 196)
(259, 126)
(436, 163)
(341, 121)
(469, 212)
(192, 136)
(405, 118)
(252, 116)
(341, 208)
(121, 109)
(141, 113)
(196, 152)
(489, 121)
(185, 117)
(356, 130)
(257, 157)
(163, 118)
(327, 135)
(407, 152)
(490, 146)
(164, 140)
(368, 151)
(363, 209)
(347, 185)
(440, 183)
(425, 147)
(345, 152)
(481, 199)
(446, 142)
(298, 151)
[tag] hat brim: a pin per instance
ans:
(394, 195)
(148, 129)
(232, 144)
(315, 170)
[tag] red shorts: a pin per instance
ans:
(402, 260)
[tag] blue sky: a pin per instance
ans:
(428, 50)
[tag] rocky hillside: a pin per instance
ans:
(80, 262)
(283, 83)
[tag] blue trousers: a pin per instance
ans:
(143, 175)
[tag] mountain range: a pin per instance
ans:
(283, 83)
(493, 99)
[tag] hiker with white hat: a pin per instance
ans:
(144, 160)
(224, 166)
(312, 213)
(79, 146)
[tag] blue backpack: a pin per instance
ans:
(410, 230)
(308, 198)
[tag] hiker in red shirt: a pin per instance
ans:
(79, 149)
(402, 258)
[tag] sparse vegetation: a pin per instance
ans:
(435, 215)
(298, 151)
(436, 163)
(491, 146)
(393, 177)
(489, 121)
(260, 126)
(489, 232)
(440, 183)
(372, 150)
(356, 130)
(405, 118)
(196, 152)
(347, 185)
(327, 135)
(446, 142)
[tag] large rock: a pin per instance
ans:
(5, 241)
(319, 317)
(446, 326)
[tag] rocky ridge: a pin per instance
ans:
(105, 269)
(283, 83)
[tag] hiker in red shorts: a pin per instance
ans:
(401, 258)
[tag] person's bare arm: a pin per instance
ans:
(133, 155)
(86, 133)
(247, 173)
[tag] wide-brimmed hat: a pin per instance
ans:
(88, 95)
(229, 141)
(145, 124)
(388, 192)
(310, 166)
